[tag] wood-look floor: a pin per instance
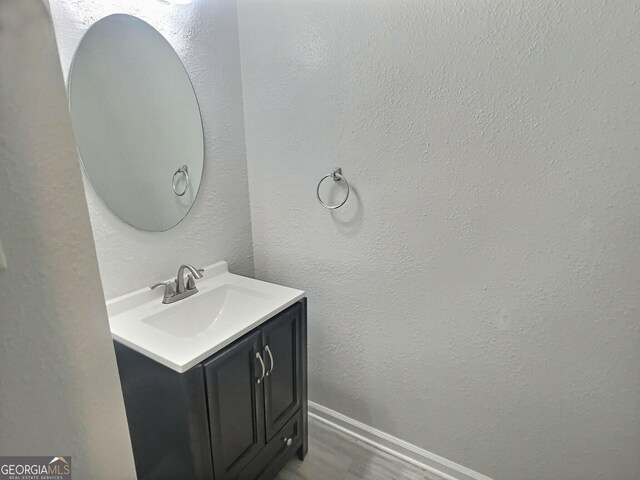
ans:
(334, 455)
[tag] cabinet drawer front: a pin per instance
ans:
(282, 347)
(277, 452)
(236, 416)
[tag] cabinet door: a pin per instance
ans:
(282, 347)
(236, 409)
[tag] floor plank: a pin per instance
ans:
(334, 455)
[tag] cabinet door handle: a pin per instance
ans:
(264, 370)
(271, 364)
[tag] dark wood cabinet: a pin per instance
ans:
(282, 342)
(239, 415)
(167, 443)
(236, 409)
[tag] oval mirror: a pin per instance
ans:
(137, 122)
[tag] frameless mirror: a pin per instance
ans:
(137, 122)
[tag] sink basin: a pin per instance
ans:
(201, 314)
(182, 334)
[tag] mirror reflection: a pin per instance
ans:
(137, 122)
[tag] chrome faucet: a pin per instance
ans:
(177, 290)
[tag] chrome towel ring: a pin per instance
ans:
(184, 170)
(336, 176)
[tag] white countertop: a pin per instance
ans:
(182, 334)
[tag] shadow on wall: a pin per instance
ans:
(349, 218)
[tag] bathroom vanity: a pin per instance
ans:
(235, 411)
(213, 369)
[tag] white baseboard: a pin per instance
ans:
(394, 446)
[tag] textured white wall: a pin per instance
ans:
(218, 227)
(59, 393)
(479, 295)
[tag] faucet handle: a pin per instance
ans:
(168, 288)
(191, 283)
